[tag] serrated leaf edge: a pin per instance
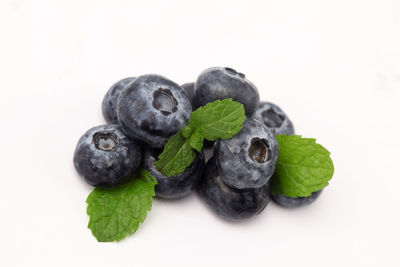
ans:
(89, 209)
(321, 148)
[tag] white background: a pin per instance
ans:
(333, 66)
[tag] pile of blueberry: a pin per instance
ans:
(143, 112)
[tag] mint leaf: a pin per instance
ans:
(177, 155)
(196, 140)
(218, 119)
(187, 131)
(303, 167)
(117, 212)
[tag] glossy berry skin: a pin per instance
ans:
(177, 186)
(105, 156)
(248, 159)
(189, 89)
(152, 108)
(290, 202)
(230, 203)
(274, 118)
(221, 83)
(109, 105)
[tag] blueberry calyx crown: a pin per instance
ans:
(105, 141)
(272, 119)
(259, 150)
(235, 73)
(164, 101)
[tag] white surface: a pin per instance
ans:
(333, 66)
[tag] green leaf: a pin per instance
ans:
(117, 212)
(177, 155)
(218, 119)
(303, 167)
(187, 131)
(196, 140)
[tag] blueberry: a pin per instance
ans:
(109, 105)
(221, 83)
(177, 186)
(189, 89)
(231, 203)
(105, 157)
(295, 202)
(248, 159)
(274, 118)
(152, 109)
